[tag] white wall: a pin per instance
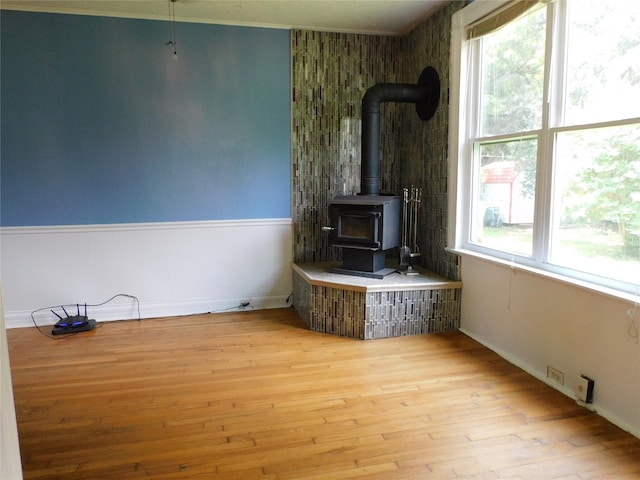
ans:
(173, 268)
(10, 462)
(535, 321)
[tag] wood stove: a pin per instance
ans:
(364, 226)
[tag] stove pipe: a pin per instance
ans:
(425, 95)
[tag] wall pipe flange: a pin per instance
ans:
(431, 80)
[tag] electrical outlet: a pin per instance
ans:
(584, 389)
(555, 375)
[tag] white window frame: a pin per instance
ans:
(460, 175)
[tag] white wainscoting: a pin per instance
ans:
(172, 268)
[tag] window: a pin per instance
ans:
(545, 136)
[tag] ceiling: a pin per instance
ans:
(379, 17)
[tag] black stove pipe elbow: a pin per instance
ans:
(425, 95)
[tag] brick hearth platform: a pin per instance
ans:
(366, 308)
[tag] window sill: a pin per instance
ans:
(588, 286)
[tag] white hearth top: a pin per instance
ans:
(319, 274)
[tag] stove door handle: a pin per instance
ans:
(327, 229)
(358, 247)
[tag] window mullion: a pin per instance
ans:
(554, 84)
(557, 40)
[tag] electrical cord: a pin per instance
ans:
(242, 307)
(61, 337)
(632, 330)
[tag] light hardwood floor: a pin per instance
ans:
(255, 395)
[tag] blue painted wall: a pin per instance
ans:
(101, 125)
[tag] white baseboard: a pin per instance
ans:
(24, 319)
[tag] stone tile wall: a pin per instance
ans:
(416, 312)
(330, 74)
(429, 44)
